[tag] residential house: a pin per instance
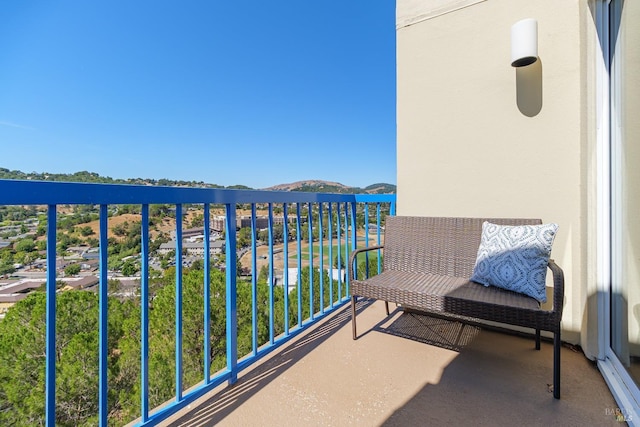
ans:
(193, 248)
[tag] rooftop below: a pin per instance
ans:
(407, 369)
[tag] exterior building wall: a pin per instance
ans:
(4, 306)
(479, 138)
(195, 249)
(262, 222)
(217, 223)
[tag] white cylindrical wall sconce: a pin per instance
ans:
(524, 42)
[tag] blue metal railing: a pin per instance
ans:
(336, 214)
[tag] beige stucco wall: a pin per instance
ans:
(477, 137)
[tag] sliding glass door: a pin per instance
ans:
(624, 293)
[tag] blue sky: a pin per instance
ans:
(226, 92)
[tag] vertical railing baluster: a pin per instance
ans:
(299, 250)
(103, 405)
(354, 242)
(366, 238)
(339, 263)
(347, 246)
(207, 294)
(310, 228)
(346, 249)
(254, 281)
(144, 274)
(272, 279)
(144, 299)
(178, 302)
(330, 217)
(285, 265)
(378, 218)
(231, 303)
(144, 350)
(321, 255)
(50, 369)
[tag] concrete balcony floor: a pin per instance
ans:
(407, 370)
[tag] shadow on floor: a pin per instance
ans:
(499, 379)
(442, 333)
(214, 408)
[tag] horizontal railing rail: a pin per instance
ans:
(326, 227)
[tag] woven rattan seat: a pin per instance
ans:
(427, 265)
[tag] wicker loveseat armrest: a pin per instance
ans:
(558, 288)
(353, 259)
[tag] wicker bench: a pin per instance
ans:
(426, 267)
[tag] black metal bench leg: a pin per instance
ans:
(537, 339)
(353, 316)
(386, 305)
(556, 365)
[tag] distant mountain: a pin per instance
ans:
(314, 186)
(319, 186)
(380, 188)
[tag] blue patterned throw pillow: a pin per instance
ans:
(515, 257)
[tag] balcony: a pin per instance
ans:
(286, 357)
(407, 370)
